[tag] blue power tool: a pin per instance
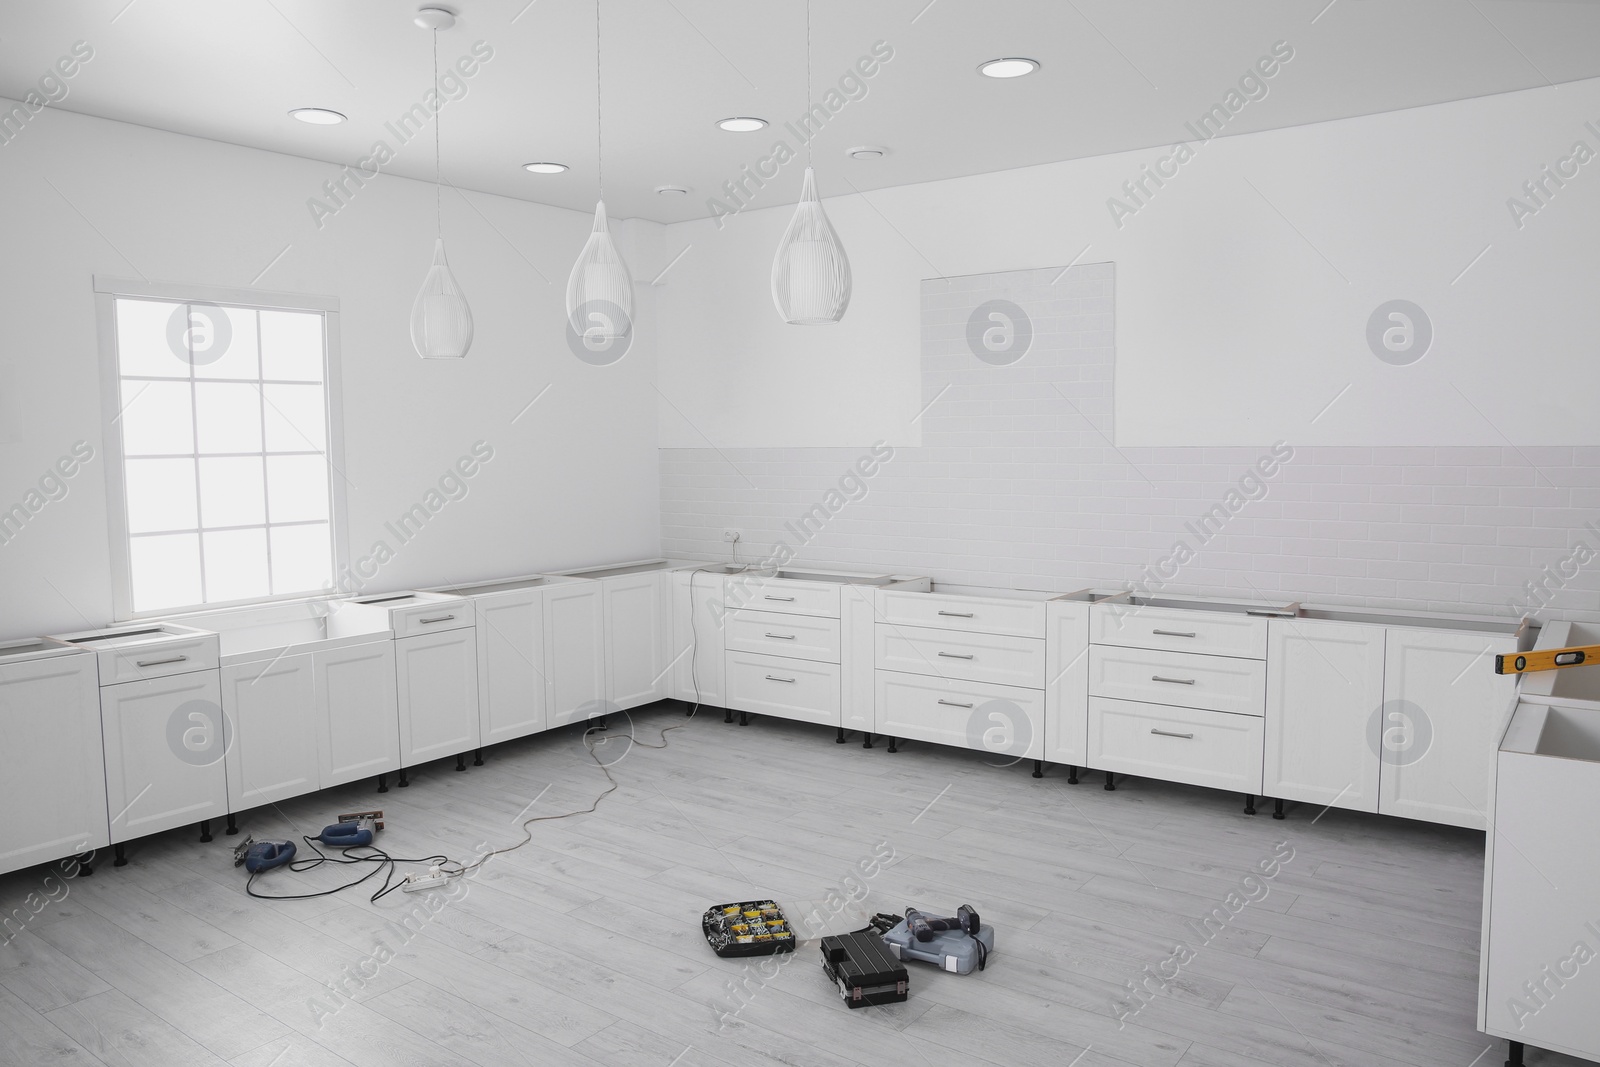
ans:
(265, 855)
(347, 834)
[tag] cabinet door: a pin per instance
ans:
(1444, 709)
(358, 708)
(574, 652)
(511, 675)
(1324, 690)
(164, 743)
(636, 639)
(1066, 676)
(437, 676)
(857, 677)
(54, 769)
(697, 641)
(271, 709)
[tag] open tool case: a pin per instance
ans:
(749, 928)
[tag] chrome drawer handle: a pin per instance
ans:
(437, 618)
(955, 655)
(782, 637)
(1173, 633)
(1174, 681)
(957, 614)
(158, 662)
(1169, 733)
(790, 599)
(954, 704)
(775, 678)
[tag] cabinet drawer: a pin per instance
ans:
(776, 634)
(782, 594)
(1179, 630)
(1015, 661)
(160, 660)
(431, 618)
(1001, 719)
(1019, 618)
(788, 688)
(1209, 748)
(1216, 683)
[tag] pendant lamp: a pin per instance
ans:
(600, 289)
(810, 273)
(441, 321)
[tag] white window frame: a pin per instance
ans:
(107, 290)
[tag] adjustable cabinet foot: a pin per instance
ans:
(1277, 809)
(404, 781)
(744, 719)
(866, 739)
(233, 827)
(205, 830)
(84, 859)
(892, 747)
(727, 714)
(840, 739)
(477, 758)
(1249, 804)
(461, 761)
(1072, 775)
(688, 708)
(1514, 1054)
(1038, 768)
(600, 723)
(1111, 784)
(383, 783)
(122, 857)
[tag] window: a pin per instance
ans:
(224, 447)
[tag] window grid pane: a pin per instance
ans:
(246, 414)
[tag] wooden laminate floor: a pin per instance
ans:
(584, 947)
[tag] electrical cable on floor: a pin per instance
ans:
(385, 865)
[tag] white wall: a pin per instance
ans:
(574, 480)
(1244, 288)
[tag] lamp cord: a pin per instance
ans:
(599, 106)
(808, 82)
(438, 210)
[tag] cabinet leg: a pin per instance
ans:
(1111, 783)
(1249, 803)
(744, 719)
(891, 745)
(404, 781)
(1038, 768)
(1072, 775)
(477, 758)
(1277, 809)
(383, 783)
(600, 723)
(840, 739)
(688, 708)
(205, 830)
(1514, 1053)
(233, 827)
(461, 761)
(122, 858)
(866, 739)
(84, 859)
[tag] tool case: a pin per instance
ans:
(748, 928)
(864, 970)
(952, 950)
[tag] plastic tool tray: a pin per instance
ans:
(748, 928)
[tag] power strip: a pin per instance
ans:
(420, 883)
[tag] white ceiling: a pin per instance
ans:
(1116, 75)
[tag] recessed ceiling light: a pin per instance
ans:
(671, 190)
(317, 116)
(544, 168)
(435, 18)
(867, 151)
(741, 124)
(1008, 68)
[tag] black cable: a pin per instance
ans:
(385, 864)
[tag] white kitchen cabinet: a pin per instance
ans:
(1176, 744)
(164, 742)
(358, 711)
(1005, 721)
(1324, 691)
(511, 674)
(857, 678)
(638, 638)
(1443, 711)
(574, 653)
(271, 708)
(1066, 695)
(697, 638)
(787, 688)
(51, 749)
(437, 683)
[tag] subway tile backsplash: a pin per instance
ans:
(1018, 483)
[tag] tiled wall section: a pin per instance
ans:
(1018, 484)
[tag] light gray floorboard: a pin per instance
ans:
(583, 947)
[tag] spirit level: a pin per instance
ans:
(1548, 659)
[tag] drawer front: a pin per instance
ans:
(776, 634)
(1015, 661)
(1215, 683)
(159, 661)
(432, 618)
(1209, 748)
(778, 594)
(1001, 719)
(788, 688)
(1178, 630)
(1019, 618)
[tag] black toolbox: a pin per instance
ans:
(748, 928)
(864, 969)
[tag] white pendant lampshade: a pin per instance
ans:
(600, 289)
(441, 321)
(810, 273)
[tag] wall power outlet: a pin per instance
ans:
(731, 536)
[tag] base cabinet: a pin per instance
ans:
(358, 710)
(1066, 695)
(164, 745)
(1324, 692)
(697, 638)
(437, 682)
(51, 751)
(638, 638)
(574, 653)
(511, 675)
(270, 706)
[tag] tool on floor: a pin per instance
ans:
(1547, 659)
(356, 816)
(864, 969)
(748, 928)
(349, 834)
(924, 926)
(960, 945)
(265, 855)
